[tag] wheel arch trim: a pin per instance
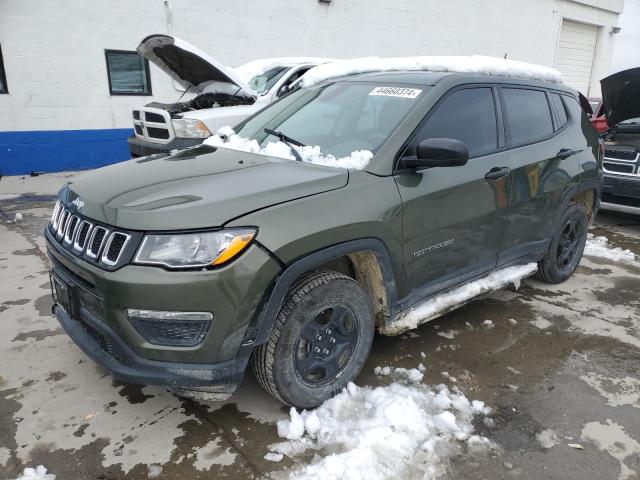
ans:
(260, 328)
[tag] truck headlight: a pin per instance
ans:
(193, 250)
(190, 128)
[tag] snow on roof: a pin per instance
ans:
(248, 70)
(458, 64)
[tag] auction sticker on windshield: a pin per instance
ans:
(396, 92)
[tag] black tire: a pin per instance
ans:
(293, 365)
(566, 247)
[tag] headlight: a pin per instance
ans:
(192, 250)
(190, 128)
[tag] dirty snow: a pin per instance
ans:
(460, 64)
(442, 303)
(599, 247)
(38, 473)
(488, 323)
(273, 457)
(618, 391)
(547, 438)
(227, 138)
(383, 432)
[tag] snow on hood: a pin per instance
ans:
(383, 432)
(189, 66)
(459, 64)
(227, 138)
(248, 70)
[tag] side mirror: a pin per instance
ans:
(438, 152)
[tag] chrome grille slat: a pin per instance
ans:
(80, 242)
(94, 251)
(109, 257)
(62, 223)
(70, 231)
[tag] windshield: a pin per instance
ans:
(340, 118)
(263, 82)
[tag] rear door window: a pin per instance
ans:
(561, 113)
(527, 115)
(468, 115)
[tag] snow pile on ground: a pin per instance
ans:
(442, 303)
(395, 431)
(248, 70)
(227, 138)
(599, 247)
(460, 64)
(38, 473)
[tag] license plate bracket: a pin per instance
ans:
(61, 292)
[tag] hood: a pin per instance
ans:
(621, 96)
(195, 188)
(191, 67)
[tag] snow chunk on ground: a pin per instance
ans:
(450, 334)
(385, 432)
(442, 303)
(413, 375)
(273, 457)
(38, 473)
(488, 323)
(547, 438)
(227, 138)
(460, 64)
(599, 247)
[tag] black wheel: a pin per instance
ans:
(566, 247)
(319, 342)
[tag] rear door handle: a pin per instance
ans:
(496, 173)
(565, 153)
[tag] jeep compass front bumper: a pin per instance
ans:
(91, 305)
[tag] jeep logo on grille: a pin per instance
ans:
(78, 203)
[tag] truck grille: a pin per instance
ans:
(97, 243)
(621, 162)
(153, 125)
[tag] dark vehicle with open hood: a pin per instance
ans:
(621, 100)
(181, 269)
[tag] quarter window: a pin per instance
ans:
(561, 113)
(3, 78)
(527, 114)
(128, 73)
(467, 115)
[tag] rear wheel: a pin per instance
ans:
(566, 247)
(319, 342)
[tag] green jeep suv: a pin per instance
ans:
(180, 269)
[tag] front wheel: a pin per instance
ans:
(566, 247)
(319, 342)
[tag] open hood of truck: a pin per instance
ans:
(195, 188)
(191, 67)
(621, 96)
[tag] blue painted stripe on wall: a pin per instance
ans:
(59, 150)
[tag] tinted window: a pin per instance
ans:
(3, 79)
(128, 73)
(467, 115)
(561, 113)
(527, 115)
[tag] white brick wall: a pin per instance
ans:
(54, 49)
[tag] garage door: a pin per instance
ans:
(574, 58)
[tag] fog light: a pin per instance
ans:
(174, 329)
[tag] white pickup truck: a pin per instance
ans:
(216, 95)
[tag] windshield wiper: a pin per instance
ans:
(288, 141)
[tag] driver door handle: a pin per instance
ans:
(497, 173)
(565, 153)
